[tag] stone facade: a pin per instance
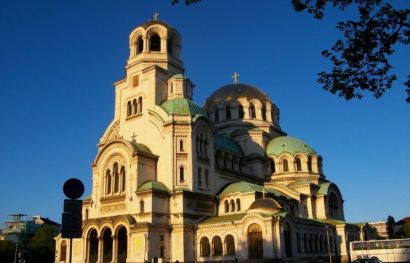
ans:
(184, 183)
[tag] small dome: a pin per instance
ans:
(266, 204)
(182, 106)
(286, 144)
(236, 91)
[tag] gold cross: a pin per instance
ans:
(156, 16)
(235, 77)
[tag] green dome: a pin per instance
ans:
(286, 144)
(182, 106)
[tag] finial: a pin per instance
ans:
(156, 16)
(133, 137)
(235, 77)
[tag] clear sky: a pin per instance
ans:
(58, 60)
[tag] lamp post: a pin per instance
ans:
(328, 243)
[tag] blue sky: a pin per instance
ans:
(58, 60)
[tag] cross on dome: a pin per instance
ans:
(155, 16)
(235, 77)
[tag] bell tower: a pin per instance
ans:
(155, 43)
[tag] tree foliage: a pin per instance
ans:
(360, 61)
(42, 245)
(390, 226)
(7, 250)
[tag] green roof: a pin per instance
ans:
(286, 144)
(223, 219)
(153, 186)
(323, 188)
(182, 106)
(141, 147)
(303, 181)
(228, 145)
(245, 187)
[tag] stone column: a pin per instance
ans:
(100, 249)
(114, 249)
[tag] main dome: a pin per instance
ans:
(236, 91)
(287, 144)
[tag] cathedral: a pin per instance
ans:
(177, 182)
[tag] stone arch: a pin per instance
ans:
(229, 243)
(217, 249)
(204, 247)
(255, 241)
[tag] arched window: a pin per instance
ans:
(263, 111)
(322, 248)
(197, 144)
(171, 88)
(306, 243)
(334, 206)
(216, 246)
(199, 176)
(140, 45)
(129, 109)
(205, 250)
(63, 251)
(142, 207)
(216, 114)
(320, 164)
(238, 204)
(92, 246)
(229, 245)
(312, 243)
(228, 112)
(155, 43)
(140, 105)
(201, 144)
(309, 164)
(206, 178)
(298, 243)
(226, 204)
(255, 241)
(288, 240)
(241, 113)
(122, 173)
(181, 145)
(116, 177)
(108, 180)
(317, 243)
(298, 164)
(272, 166)
(252, 111)
(232, 206)
(233, 163)
(170, 45)
(122, 244)
(285, 165)
(134, 106)
(225, 160)
(107, 245)
(181, 174)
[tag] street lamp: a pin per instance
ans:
(328, 243)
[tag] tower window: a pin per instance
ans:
(285, 166)
(309, 164)
(155, 43)
(171, 88)
(134, 106)
(241, 113)
(298, 164)
(263, 111)
(135, 81)
(142, 207)
(140, 45)
(226, 204)
(122, 172)
(252, 111)
(272, 166)
(199, 176)
(129, 109)
(228, 112)
(140, 105)
(181, 145)
(238, 204)
(181, 174)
